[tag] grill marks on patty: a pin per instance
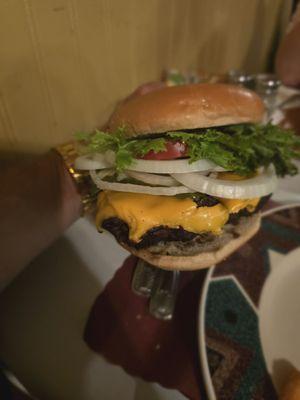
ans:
(155, 235)
(234, 218)
(203, 200)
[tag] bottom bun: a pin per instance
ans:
(201, 260)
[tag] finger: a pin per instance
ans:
(146, 88)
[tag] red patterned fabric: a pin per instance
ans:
(121, 329)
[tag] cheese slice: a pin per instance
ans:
(232, 176)
(142, 212)
(235, 205)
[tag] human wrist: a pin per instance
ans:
(84, 185)
(70, 200)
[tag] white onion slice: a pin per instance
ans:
(106, 160)
(261, 185)
(167, 166)
(173, 166)
(153, 179)
(91, 161)
(105, 172)
(128, 187)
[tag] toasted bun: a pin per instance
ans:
(198, 261)
(187, 107)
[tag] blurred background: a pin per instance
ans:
(65, 63)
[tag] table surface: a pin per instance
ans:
(42, 318)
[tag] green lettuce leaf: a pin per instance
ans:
(244, 148)
(239, 148)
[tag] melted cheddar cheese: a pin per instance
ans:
(232, 176)
(235, 205)
(143, 211)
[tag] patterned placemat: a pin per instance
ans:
(233, 349)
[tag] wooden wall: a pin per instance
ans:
(65, 63)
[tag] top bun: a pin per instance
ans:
(187, 107)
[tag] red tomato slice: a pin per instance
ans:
(173, 150)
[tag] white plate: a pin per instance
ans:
(279, 318)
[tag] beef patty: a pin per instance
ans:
(163, 234)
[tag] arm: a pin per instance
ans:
(38, 201)
(287, 61)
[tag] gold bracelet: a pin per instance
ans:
(84, 184)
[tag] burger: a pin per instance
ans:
(184, 171)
